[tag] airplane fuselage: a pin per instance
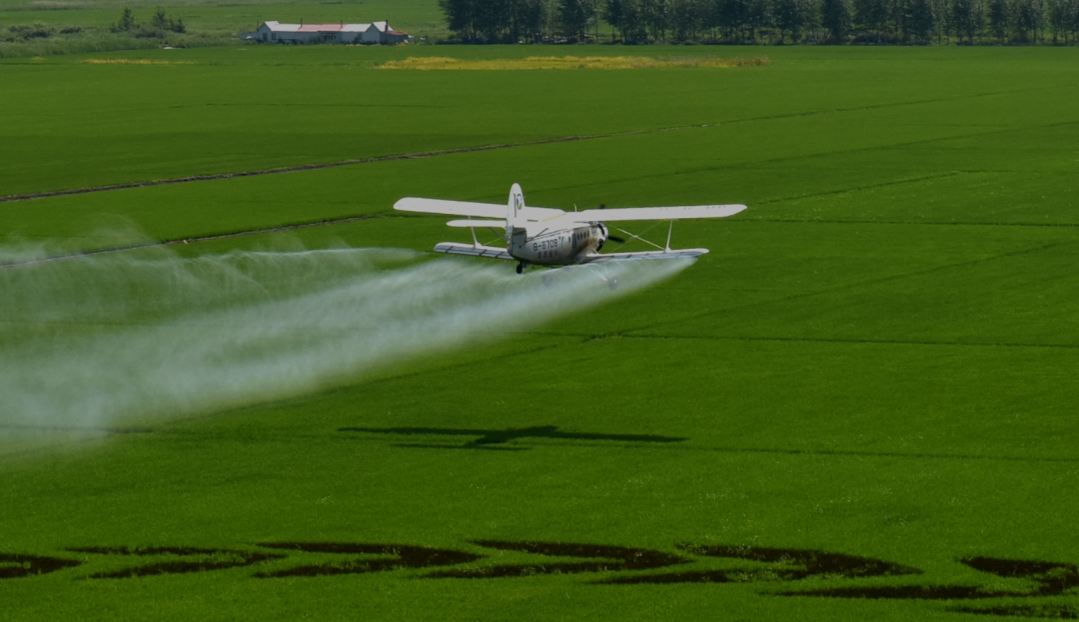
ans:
(557, 247)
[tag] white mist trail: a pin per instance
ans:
(86, 342)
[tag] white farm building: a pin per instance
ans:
(377, 32)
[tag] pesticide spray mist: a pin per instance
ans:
(90, 342)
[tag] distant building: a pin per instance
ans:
(377, 32)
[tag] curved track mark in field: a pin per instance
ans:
(205, 559)
(603, 558)
(204, 238)
(400, 556)
(14, 566)
(1056, 612)
(785, 565)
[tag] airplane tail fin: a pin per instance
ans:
(515, 218)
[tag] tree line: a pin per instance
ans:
(1012, 22)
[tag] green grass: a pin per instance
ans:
(877, 358)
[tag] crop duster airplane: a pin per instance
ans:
(544, 236)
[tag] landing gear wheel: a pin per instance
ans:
(520, 268)
(612, 283)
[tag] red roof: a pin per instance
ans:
(321, 28)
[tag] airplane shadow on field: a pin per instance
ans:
(496, 439)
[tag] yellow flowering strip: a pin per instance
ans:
(572, 62)
(138, 61)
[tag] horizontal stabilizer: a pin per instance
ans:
(657, 213)
(454, 248)
(688, 253)
(466, 224)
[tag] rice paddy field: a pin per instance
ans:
(861, 404)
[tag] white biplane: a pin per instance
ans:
(544, 236)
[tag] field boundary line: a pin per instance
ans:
(883, 342)
(910, 223)
(204, 238)
(324, 165)
(866, 454)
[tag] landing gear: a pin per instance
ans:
(521, 268)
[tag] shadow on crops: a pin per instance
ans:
(786, 565)
(13, 566)
(498, 437)
(603, 558)
(207, 559)
(1051, 577)
(402, 556)
(1055, 612)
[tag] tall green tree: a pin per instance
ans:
(786, 17)
(1024, 19)
(998, 19)
(575, 17)
(965, 18)
(462, 17)
(1063, 19)
(686, 19)
(732, 16)
(917, 20)
(870, 17)
(835, 18)
(757, 17)
(127, 21)
(636, 24)
(655, 16)
(527, 19)
(614, 13)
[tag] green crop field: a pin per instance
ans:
(861, 404)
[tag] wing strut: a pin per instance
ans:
(634, 236)
(669, 232)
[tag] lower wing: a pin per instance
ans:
(454, 248)
(689, 253)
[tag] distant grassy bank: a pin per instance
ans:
(45, 27)
(39, 39)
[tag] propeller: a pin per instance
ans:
(615, 238)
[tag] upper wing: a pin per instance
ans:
(657, 213)
(466, 224)
(465, 208)
(451, 208)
